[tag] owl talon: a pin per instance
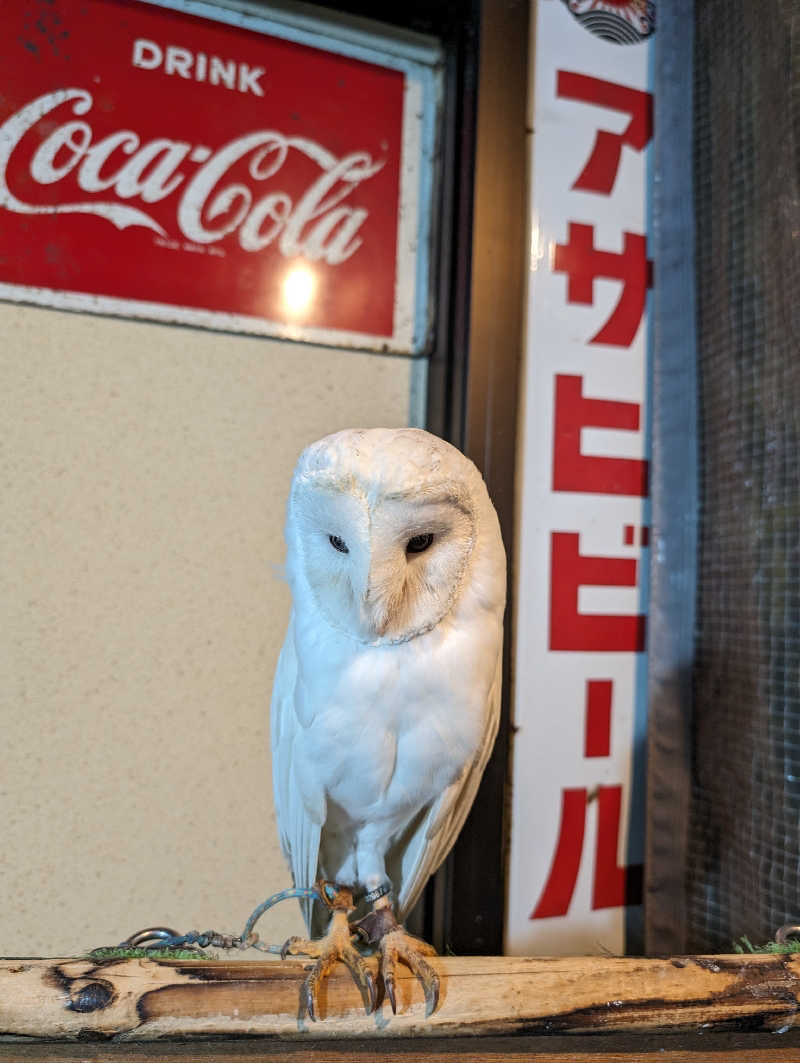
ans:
(388, 984)
(396, 945)
(373, 993)
(289, 946)
(334, 947)
(428, 978)
(308, 1000)
(431, 993)
(363, 976)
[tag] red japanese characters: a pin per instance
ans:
(583, 261)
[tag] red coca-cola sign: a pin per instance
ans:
(157, 163)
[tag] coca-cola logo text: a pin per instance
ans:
(212, 204)
(175, 60)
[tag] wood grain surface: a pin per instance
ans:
(143, 1000)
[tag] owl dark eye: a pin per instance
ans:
(419, 543)
(338, 544)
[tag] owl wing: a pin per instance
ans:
(299, 803)
(436, 832)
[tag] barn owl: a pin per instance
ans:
(387, 692)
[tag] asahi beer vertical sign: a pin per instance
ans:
(581, 623)
(188, 162)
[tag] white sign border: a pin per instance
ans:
(549, 684)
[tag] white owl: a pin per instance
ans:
(387, 693)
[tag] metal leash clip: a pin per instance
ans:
(160, 934)
(787, 932)
(155, 938)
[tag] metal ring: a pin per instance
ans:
(787, 931)
(151, 933)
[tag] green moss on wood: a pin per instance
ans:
(146, 954)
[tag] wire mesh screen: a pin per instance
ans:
(744, 838)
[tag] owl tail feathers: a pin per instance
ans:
(303, 857)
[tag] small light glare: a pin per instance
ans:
(298, 290)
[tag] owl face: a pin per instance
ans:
(383, 552)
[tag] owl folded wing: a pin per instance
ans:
(299, 804)
(437, 830)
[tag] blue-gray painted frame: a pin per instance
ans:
(674, 482)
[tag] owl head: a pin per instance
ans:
(382, 527)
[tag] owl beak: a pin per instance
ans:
(379, 622)
(378, 601)
(376, 616)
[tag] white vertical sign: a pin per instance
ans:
(579, 711)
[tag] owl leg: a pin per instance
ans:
(336, 945)
(381, 929)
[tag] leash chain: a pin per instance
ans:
(162, 937)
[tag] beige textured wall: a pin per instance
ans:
(144, 470)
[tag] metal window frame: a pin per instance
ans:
(673, 564)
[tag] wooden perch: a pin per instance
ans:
(129, 999)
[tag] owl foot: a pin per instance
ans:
(328, 950)
(395, 943)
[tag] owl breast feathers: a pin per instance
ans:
(387, 694)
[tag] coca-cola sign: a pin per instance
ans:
(164, 165)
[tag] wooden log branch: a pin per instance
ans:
(143, 1000)
(135, 999)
